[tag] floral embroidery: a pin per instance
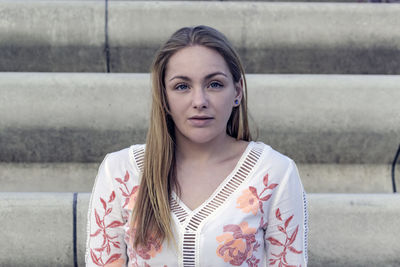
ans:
(147, 252)
(251, 201)
(238, 245)
(130, 196)
(151, 249)
(153, 246)
(287, 244)
(107, 239)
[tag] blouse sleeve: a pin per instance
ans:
(286, 231)
(105, 237)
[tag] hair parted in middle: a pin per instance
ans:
(151, 215)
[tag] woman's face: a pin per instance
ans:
(201, 93)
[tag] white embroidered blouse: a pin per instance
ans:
(256, 217)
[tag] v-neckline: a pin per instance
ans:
(191, 220)
(219, 187)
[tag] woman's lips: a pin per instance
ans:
(199, 121)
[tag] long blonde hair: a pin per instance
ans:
(151, 214)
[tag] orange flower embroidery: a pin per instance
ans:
(251, 201)
(248, 202)
(238, 245)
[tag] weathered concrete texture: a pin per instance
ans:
(74, 100)
(344, 229)
(347, 178)
(271, 37)
(79, 177)
(348, 38)
(311, 118)
(328, 118)
(47, 177)
(354, 230)
(64, 117)
(52, 36)
(82, 216)
(36, 229)
(65, 144)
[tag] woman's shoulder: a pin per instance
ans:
(276, 168)
(272, 160)
(271, 155)
(128, 158)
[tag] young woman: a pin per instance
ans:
(200, 192)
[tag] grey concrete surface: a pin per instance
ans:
(79, 177)
(36, 229)
(344, 229)
(271, 37)
(69, 117)
(343, 38)
(82, 216)
(347, 178)
(354, 230)
(347, 119)
(52, 36)
(47, 177)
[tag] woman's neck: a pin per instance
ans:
(204, 153)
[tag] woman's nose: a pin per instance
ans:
(199, 98)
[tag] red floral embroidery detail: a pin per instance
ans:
(150, 250)
(107, 239)
(130, 195)
(287, 244)
(145, 252)
(253, 261)
(251, 201)
(238, 246)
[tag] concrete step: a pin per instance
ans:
(52, 36)
(47, 177)
(64, 117)
(344, 229)
(79, 177)
(342, 38)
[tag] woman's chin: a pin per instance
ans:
(202, 137)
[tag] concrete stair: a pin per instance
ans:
(313, 118)
(323, 89)
(298, 38)
(71, 117)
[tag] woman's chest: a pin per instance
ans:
(227, 237)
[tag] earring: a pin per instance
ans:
(236, 101)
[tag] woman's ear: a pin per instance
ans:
(239, 92)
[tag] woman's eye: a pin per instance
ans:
(181, 87)
(215, 85)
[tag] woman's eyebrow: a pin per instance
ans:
(185, 78)
(208, 76)
(214, 74)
